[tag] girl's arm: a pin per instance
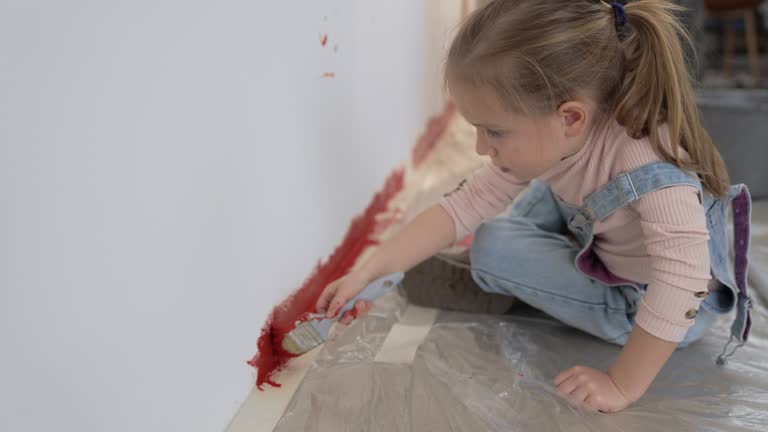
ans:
(675, 231)
(625, 382)
(640, 361)
(484, 195)
(429, 233)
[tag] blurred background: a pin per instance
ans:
(731, 42)
(732, 39)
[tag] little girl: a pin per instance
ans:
(618, 196)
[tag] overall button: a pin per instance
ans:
(579, 220)
(691, 314)
(701, 294)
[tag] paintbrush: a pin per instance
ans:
(313, 329)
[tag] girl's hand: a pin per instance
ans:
(593, 388)
(338, 293)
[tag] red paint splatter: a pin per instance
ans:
(329, 75)
(323, 39)
(436, 128)
(271, 356)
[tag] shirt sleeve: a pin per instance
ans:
(483, 196)
(675, 233)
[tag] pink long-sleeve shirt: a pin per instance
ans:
(660, 239)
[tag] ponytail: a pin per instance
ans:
(656, 88)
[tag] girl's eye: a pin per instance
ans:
(493, 133)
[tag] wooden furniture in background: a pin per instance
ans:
(730, 10)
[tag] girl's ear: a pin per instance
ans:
(574, 117)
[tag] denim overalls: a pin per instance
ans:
(541, 252)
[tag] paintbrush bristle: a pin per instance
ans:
(302, 339)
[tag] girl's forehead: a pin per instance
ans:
(475, 95)
(478, 103)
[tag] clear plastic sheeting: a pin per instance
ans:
(494, 373)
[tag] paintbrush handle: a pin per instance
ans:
(374, 290)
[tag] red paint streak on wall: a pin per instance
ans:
(323, 39)
(271, 356)
(436, 127)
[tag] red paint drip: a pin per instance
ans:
(323, 39)
(271, 356)
(436, 128)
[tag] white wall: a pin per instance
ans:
(442, 21)
(169, 170)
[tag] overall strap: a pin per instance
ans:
(741, 206)
(629, 187)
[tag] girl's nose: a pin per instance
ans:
(482, 148)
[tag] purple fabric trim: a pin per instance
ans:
(590, 264)
(741, 239)
(741, 209)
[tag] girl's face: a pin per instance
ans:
(525, 146)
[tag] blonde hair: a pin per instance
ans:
(536, 54)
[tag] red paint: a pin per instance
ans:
(271, 356)
(304, 317)
(436, 128)
(329, 75)
(323, 39)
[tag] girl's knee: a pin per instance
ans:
(509, 245)
(484, 243)
(494, 244)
